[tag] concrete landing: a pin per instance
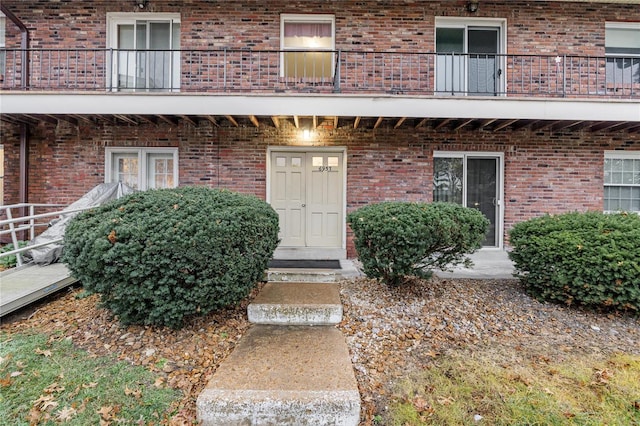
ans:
(487, 264)
(297, 304)
(347, 270)
(284, 375)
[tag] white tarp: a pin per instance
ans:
(97, 196)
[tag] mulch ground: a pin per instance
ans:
(389, 331)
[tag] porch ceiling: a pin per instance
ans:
(331, 111)
(333, 122)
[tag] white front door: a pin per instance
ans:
(307, 191)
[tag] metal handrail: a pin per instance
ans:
(30, 226)
(354, 71)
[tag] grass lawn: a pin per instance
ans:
(504, 387)
(45, 380)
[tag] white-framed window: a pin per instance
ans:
(622, 48)
(622, 181)
(307, 43)
(470, 56)
(142, 168)
(146, 51)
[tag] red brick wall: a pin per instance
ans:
(545, 172)
(533, 27)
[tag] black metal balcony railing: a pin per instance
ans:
(261, 71)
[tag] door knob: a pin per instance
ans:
(304, 205)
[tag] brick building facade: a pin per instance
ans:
(547, 129)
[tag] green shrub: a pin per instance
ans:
(160, 255)
(395, 240)
(590, 259)
(10, 261)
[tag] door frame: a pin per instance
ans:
(500, 186)
(466, 23)
(312, 252)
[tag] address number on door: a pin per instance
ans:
(325, 168)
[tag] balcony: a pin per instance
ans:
(352, 72)
(442, 90)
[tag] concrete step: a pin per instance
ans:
(288, 303)
(347, 270)
(302, 275)
(283, 375)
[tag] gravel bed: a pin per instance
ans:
(392, 331)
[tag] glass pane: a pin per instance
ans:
(308, 65)
(447, 180)
(482, 192)
(160, 171)
(332, 161)
(281, 161)
(482, 48)
(296, 162)
(317, 161)
(125, 169)
(449, 40)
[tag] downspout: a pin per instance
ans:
(23, 192)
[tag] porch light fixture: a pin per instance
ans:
(142, 3)
(306, 134)
(472, 6)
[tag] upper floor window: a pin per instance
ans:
(142, 168)
(307, 42)
(622, 181)
(622, 47)
(146, 51)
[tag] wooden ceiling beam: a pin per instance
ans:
(485, 123)
(254, 120)
(296, 121)
(126, 119)
(231, 120)
(443, 123)
(422, 123)
(505, 124)
(524, 123)
(167, 120)
(464, 123)
(314, 119)
(276, 121)
(147, 119)
(356, 122)
(378, 122)
(335, 122)
(211, 119)
(42, 117)
(567, 125)
(189, 120)
(399, 123)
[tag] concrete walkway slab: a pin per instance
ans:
(284, 375)
(487, 264)
(297, 304)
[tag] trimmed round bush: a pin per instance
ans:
(158, 256)
(590, 259)
(396, 240)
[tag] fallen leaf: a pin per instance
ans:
(16, 374)
(66, 414)
(135, 392)
(46, 352)
(89, 385)
(106, 412)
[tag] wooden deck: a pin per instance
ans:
(22, 286)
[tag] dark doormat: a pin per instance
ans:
(304, 264)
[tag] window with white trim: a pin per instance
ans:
(622, 181)
(142, 168)
(307, 42)
(622, 48)
(146, 51)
